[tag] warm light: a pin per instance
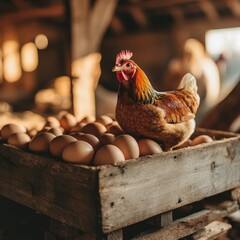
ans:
(11, 66)
(222, 41)
(62, 86)
(41, 41)
(29, 57)
(1, 67)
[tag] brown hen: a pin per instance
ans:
(141, 111)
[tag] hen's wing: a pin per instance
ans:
(179, 106)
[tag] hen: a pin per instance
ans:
(141, 111)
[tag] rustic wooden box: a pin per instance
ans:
(106, 198)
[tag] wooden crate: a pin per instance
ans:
(107, 198)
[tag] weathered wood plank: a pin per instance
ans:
(155, 184)
(179, 228)
(212, 231)
(62, 191)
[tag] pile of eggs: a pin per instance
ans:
(89, 141)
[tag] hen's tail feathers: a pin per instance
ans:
(188, 82)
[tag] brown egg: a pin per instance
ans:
(89, 138)
(58, 143)
(187, 143)
(95, 128)
(52, 122)
(104, 120)
(11, 128)
(67, 121)
(40, 143)
(78, 128)
(32, 133)
(88, 119)
(115, 129)
(108, 154)
(78, 152)
(128, 145)
(106, 138)
(148, 147)
(57, 131)
(19, 140)
(44, 129)
(201, 139)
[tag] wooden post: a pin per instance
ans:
(88, 27)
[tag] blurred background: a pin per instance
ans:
(57, 54)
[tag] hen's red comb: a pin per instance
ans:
(123, 55)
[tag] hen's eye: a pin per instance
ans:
(128, 65)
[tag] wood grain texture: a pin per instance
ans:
(179, 228)
(212, 231)
(62, 191)
(107, 198)
(159, 183)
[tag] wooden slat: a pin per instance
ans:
(212, 231)
(179, 228)
(155, 184)
(62, 191)
(99, 22)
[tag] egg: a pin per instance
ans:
(185, 144)
(95, 128)
(67, 121)
(40, 143)
(52, 122)
(58, 143)
(78, 152)
(128, 145)
(148, 147)
(104, 119)
(89, 138)
(19, 140)
(108, 154)
(78, 128)
(33, 132)
(88, 119)
(57, 131)
(106, 138)
(201, 139)
(11, 128)
(115, 129)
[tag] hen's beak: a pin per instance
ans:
(116, 69)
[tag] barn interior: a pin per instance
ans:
(58, 55)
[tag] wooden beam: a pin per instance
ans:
(53, 11)
(100, 18)
(88, 28)
(209, 9)
(234, 6)
(139, 16)
(116, 25)
(154, 4)
(177, 15)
